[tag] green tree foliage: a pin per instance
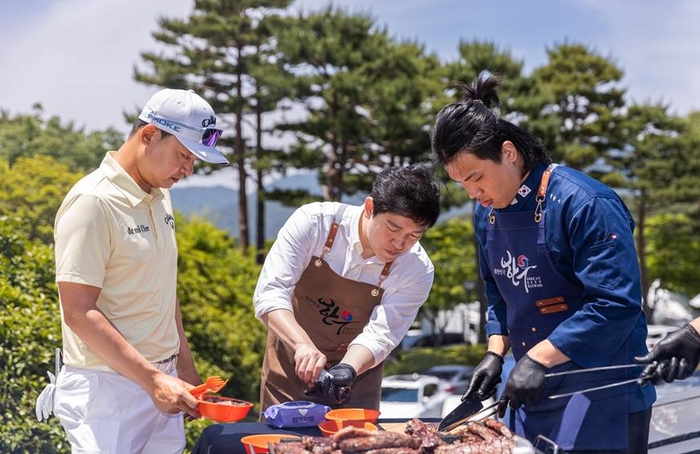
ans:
(32, 190)
(450, 246)
(30, 135)
(673, 250)
(477, 57)
(29, 333)
(647, 168)
(215, 285)
(218, 51)
(576, 106)
(364, 95)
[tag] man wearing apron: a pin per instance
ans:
(340, 288)
(557, 255)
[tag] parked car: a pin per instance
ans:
(454, 378)
(411, 396)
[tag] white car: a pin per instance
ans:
(411, 396)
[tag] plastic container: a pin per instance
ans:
(259, 444)
(353, 414)
(296, 414)
(223, 409)
(328, 428)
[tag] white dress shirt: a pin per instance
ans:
(303, 236)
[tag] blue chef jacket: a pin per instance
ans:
(588, 243)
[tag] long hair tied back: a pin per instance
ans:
(471, 126)
(483, 90)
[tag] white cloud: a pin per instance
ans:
(656, 43)
(76, 58)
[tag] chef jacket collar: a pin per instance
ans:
(528, 189)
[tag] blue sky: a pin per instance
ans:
(76, 57)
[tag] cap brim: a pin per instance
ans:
(208, 154)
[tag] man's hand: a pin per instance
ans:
(333, 386)
(524, 386)
(486, 376)
(675, 357)
(170, 395)
(342, 377)
(308, 362)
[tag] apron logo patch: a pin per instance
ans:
(517, 269)
(332, 314)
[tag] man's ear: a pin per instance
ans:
(509, 152)
(369, 207)
(149, 133)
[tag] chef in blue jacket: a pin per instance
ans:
(557, 255)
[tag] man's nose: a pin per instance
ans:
(189, 167)
(473, 193)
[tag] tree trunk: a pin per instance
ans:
(260, 216)
(641, 247)
(240, 162)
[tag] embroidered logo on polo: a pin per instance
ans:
(332, 314)
(170, 220)
(517, 269)
(138, 229)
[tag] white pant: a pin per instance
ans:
(104, 412)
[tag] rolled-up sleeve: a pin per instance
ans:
(406, 289)
(284, 264)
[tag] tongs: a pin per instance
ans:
(596, 369)
(471, 409)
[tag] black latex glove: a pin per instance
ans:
(486, 376)
(524, 386)
(675, 357)
(334, 387)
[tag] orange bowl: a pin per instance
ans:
(223, 409)
(258, 444)
(328, 428)
(353, 414)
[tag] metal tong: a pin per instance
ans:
(596, 369)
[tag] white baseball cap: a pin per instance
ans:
(189, 118)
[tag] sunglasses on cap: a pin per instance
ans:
(206, 136)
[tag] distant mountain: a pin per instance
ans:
(219, 205)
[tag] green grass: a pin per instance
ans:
(416, 360)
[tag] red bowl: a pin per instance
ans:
(258, 444)
(328, 428)
(223, 409)
(353, 414)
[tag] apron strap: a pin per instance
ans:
(382, 276)
(331, 234)
(542, 191)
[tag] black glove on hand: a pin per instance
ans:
(486, 376)
(675, 357)
(524, 386)
(334, 386)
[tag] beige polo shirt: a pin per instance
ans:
(110, 234)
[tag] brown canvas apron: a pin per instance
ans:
(332, 310)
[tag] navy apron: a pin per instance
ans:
(539, 299)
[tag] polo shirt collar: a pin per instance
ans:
(123, 181)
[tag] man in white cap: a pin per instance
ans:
(128, 367)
